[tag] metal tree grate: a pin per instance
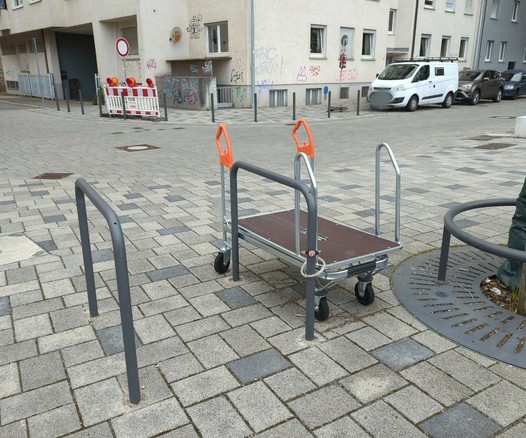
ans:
(458, 309)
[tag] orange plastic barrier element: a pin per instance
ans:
(226, 158)
(307, 148)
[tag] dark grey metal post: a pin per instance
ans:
(123, 106)
(312, 231)
(81, 102)
(358, 103)
(99, 102)
(329, 106)
(255, 107)
(212, 107)
(121, 270)
(444, 255)
(165, 107)
(294, 106)
(55, 94)
(66, 96)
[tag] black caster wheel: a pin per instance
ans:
(322, 314)
(367, 297)
(219, 263)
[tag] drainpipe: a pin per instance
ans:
(480, 34)
(252, 54)
(414, 30)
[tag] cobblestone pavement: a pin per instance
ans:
(219, 358)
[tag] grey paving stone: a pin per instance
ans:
(150, 420)
(203, 327)
(47, 245)
(343, 427)
(372, 383)
(245, 315)
(504, 413)
(381, 420)
(153, 386)
(182, 432)
(180, 367)
(36, 308)
(269, 327)
(20, 350)
(289, 384)
(35, 402)
(158, 351)
(460, 421)
(80, 353)
(5, 306)
(317, 366)
(100, 401)
(153, 328)
(69, 318)
(166, 273)
(218, 415)
(32, 327)
(390, 326)
(21, 275)
(54, 218)
(17, 429)
(208, 305)
(517, 431)
(245, 340)
(212, 351)
(96, 370)
(347, 354)
(402, 354)
(368, 338)
(323, 406)
(466, 371)
(204, 385)
(10, 380)
(413, 403)
(110, 339)
(259, 406)
(291, 429)
(41, 370)
(436, 383)
(236, 297)
(56, 422)
(258, 365)
(66, 338)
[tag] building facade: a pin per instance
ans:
(272, 51)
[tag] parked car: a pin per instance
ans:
(413, 82)
(515, 85)
(474, 85)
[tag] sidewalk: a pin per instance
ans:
(219, 358)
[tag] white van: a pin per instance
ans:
(412, 82)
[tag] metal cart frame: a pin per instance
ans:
(301, 237)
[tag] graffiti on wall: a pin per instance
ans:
(194, 68)
(263, 85)
(183, 91)
(348, 74)
(236, 76)
(240, 93)
(207, 67)
(151, 63)
(268, 61)
(195, 28)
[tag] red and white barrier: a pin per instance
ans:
(139, 101)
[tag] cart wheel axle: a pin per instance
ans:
(364, 295)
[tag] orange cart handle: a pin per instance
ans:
(226, 158)
(307, 148)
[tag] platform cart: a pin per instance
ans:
(326, 252)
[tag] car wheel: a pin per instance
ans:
(515, 95)
(412, 105)
(448, 101)
(475, 97)
(498, 96)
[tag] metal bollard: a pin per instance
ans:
(165, 107)
(56, 98)
(255, 107)
(358, 104)
(123, 106)
(212, 107)
(329, 107)
(67, 99)
(81, 102)
(294, 106)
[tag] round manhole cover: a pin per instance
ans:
(458, 309)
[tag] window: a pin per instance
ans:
(3, 4)
(130, 35)
(463, 49)
(18, 3)
(8, 49)
(439, 71)
(494, 8)
(344, 93)
(515, 13)
(277, 98)
(217, 37)
(368, 44)
(502, 50)
(468, 7)
(489, 49)
(450, 5)
(429, 3)
(313, 96)
(444, 46)
(424, 45)
(317, 41)
(392, 22)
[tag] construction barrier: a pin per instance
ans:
(139, 101)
